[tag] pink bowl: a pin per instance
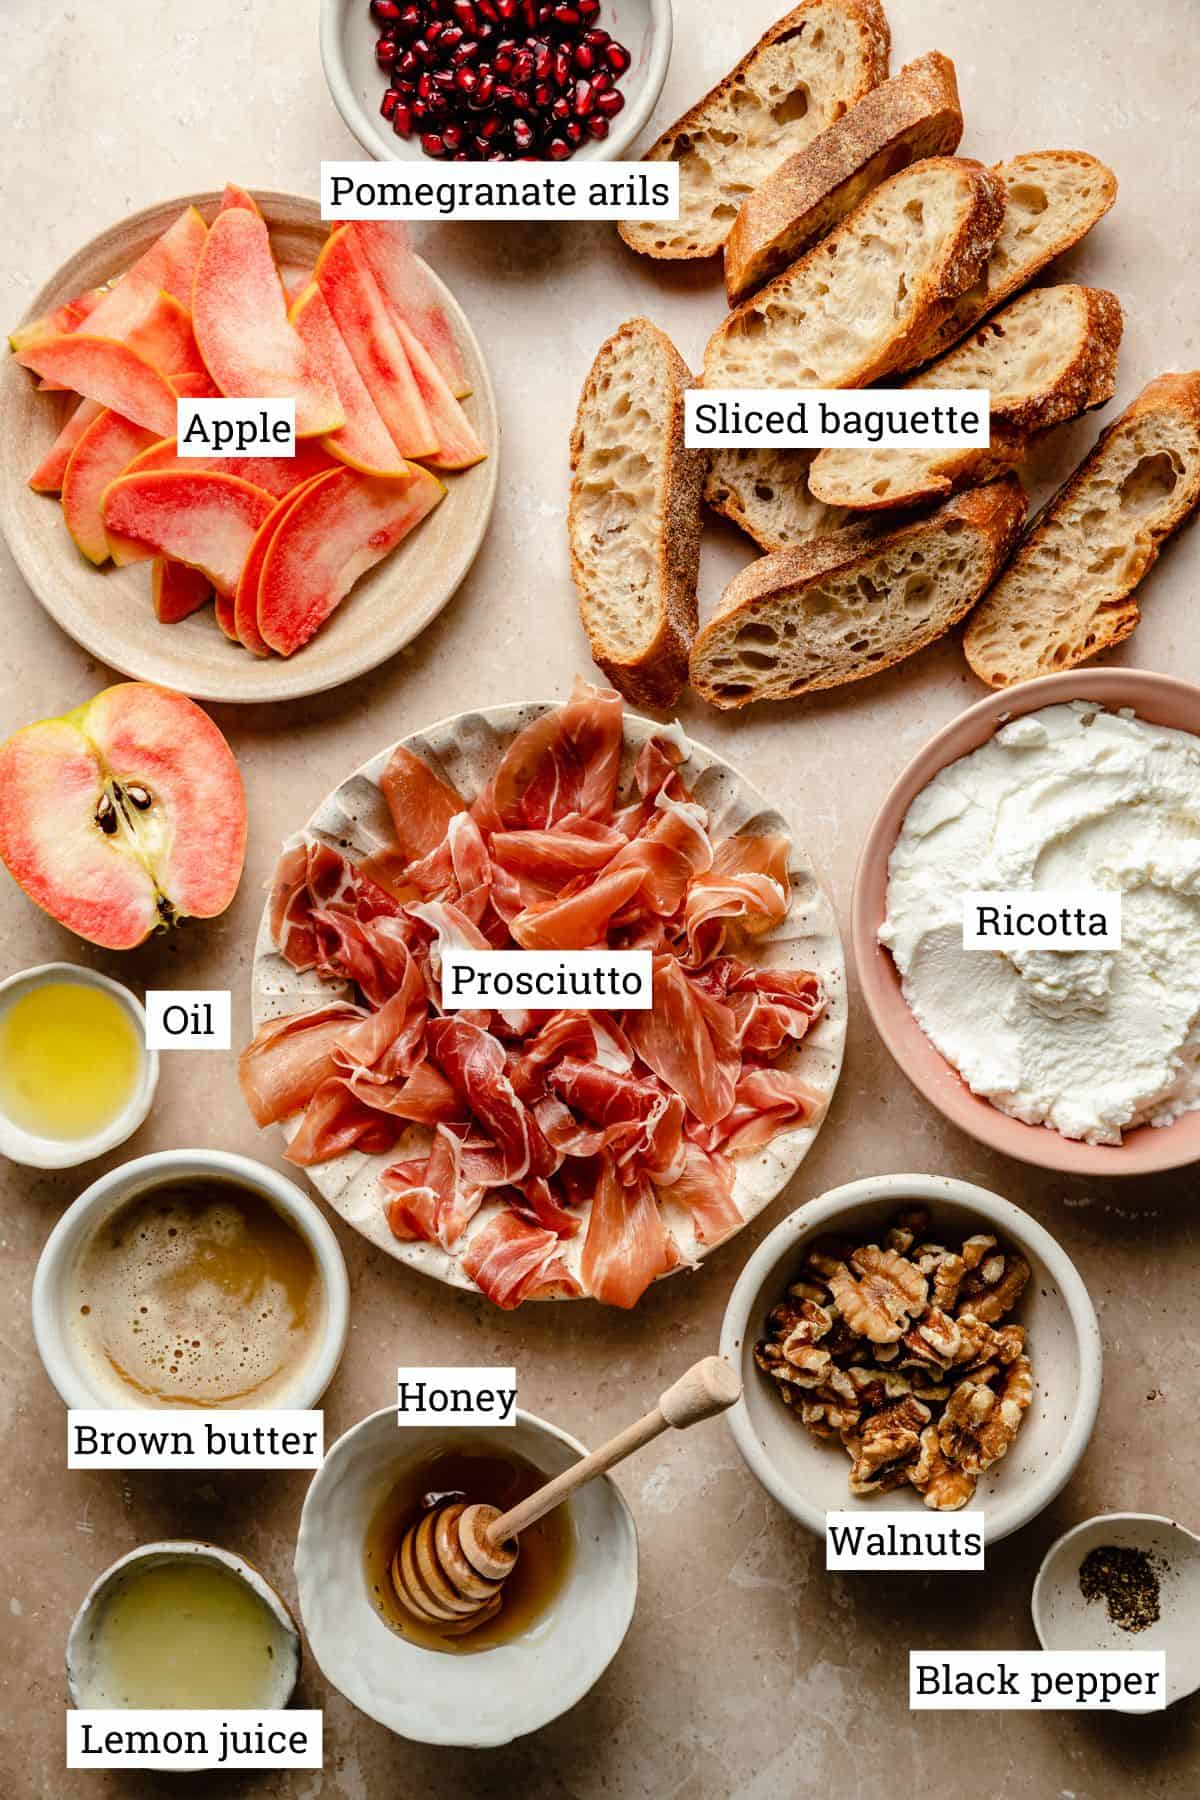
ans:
(1159, 700)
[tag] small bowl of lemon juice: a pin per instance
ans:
(76, 1075)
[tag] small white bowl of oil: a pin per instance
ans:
(182, 1624)
(76, 1075)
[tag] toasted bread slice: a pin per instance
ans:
(1048, 356)
(1054, 197)
(856, 306)
(634, 521)
(766, 492)
(803, 74)
(1068, 593)
(916, 114)
(842, 608)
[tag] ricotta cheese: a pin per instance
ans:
(1088, 1042)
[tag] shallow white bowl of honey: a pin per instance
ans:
(567, 1604)
(76, 1075)
(191, 1278)
(182, 1624)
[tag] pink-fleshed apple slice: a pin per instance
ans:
(48, 477)
(364, 441)
(223, 613)
(125, 816)
(459, 445)
(169, 264)
(235, 199)
(295, 279)
(60, 322)
(409, 294)
(277, 475)
(106, 370)
(341, 526)
(362, 319)
(177, 590)
(206, 520)
(102, 453)
(239, 316)
(245, 609)
(165, 338)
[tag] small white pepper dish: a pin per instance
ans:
(1065, 1619)
(474, 1701)
(808, 1477)
(37, 1152)
(86, 1674)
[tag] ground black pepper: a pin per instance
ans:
(1126, 1580)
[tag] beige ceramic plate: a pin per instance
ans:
(108, 610)
(466, 749)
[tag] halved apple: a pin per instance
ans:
(177, 590)
(245, 606)
(364, 441)
(206, 520)
(240, 319)
(459, 445)
(125, 816)
(410, 297)
(106, 448)
(276, 475)
(339, 528)
(105, 370)
(362, 319)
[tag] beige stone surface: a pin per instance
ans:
(748, 1671)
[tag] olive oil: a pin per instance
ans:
(185, 1633)
(70, 1058)
(474, 1473)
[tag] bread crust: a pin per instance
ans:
(1119, 613)
(913, 116)
(656, 676)
(957, 267)
(768, 588)
(876, 42)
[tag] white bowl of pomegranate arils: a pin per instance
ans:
(496, 80)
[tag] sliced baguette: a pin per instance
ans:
(766, 492)
(842, 608)
(859, 303)
(1068, 593)
(1054, 197)
(1048, 356)
(634, 520)
(916, 114)
(801, 75)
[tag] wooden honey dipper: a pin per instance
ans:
(452, 1564)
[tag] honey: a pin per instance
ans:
(185, 1633)
(70, 1060)
(472, 1473)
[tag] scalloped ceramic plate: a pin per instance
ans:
(466, 749)
(108, 611)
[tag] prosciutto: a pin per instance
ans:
(511, 1133)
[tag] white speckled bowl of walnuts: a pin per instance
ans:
(907, 1347)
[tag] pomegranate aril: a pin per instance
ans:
(421, 52)
(504, 96)
(386, 11)
(558, 149)
(432, 144)
(451, 36)
(389, 103)
(583, 101)
(574, 130)
(522, 132)
(465, 80)
(588, 10)
(489, 127)
(485, 89)
(597, 39)
(562, 68)
(523, 67)
(402, 121)
(433, 31)
(417, 109)
(404, 90)
(406, 63)
(584, 59)
(543, 96)
(609, 104)
(507, 9)
(465, 14)
(385, 53)
(597, 126)
(488, 10)
(411, 19)
(618, 58)
(601, 81)
(543, 61)
(561, 109)
(566, 16)
(453, 136)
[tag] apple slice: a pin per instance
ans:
(240, 319)
(108, 371)
(50, 473)
(177, 590)
(169, 264)
(236, 199)
(459, 446)
(102, 453)
(63, 319)
(339, 528)
(165, 338)
(362, 318)
(364, 441)
(295, 280)
(277, 475)
(245, 611)
(223, 613)
(206, 520)
(409, 294)
(125, 816)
